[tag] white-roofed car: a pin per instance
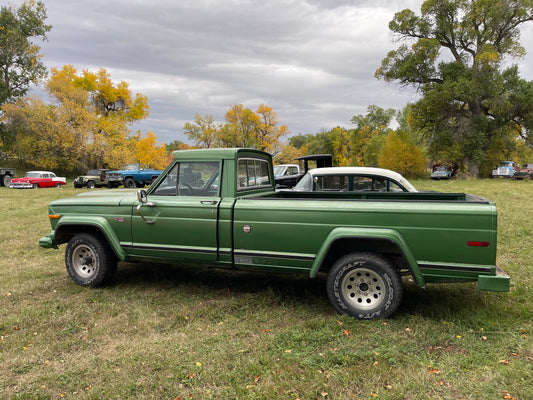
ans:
(353, 179)
(38, 179)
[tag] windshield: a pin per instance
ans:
(278, 170)
(305, 184)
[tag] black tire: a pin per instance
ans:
(91, 185)
(89, 260)
(35, 186)
(129, 183)
(58, 185)
(364, 286)
(6, 180)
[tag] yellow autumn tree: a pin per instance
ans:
(150, 153)
(240, 127)
(267, 130)
(204, 131)
(86, 124)
(402, 155)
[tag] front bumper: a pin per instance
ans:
(21, 185)
(47, 242)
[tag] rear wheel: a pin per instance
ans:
(364, 286)
(89, 260)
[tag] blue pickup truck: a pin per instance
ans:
(132, 175)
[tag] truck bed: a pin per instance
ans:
(374, 196)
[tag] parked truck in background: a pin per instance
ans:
(506, 169)
(219, 207)
(6, 175)
(131, 176)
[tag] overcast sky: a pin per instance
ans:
(312, 61)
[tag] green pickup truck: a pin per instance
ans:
(218, 207)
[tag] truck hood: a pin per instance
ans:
(99, 197)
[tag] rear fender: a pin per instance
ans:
(367, 234)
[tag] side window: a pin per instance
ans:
(292, 171)
(252, 173)
(394, 187)
(190, 179)
(362, 183)
(331, 183)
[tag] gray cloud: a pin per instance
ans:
(313, 61)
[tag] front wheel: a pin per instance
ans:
(6, 180)
(89, 260)
(129, 183)
(91, 185)
(364, 286)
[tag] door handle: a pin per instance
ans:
(210, 202)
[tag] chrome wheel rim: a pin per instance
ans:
(363, 289)
(84, 261)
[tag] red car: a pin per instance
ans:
(38, 179)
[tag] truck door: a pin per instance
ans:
(179, 218)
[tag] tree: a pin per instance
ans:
(401, 155)
(204, 131)
(267, 130)
(239, 130)
(243, 128)
(455, 55)
(86, 125)
(368, 136)
(20, 62)
(174, 145)
(149, 153)
(289, 154)
(51, 137)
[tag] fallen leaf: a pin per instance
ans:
(505, 362)
(346, 332)
(433, 370)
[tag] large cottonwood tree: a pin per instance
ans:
(86, 124)
(472, 108)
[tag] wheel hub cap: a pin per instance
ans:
(363, 288)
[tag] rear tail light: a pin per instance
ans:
(479, 244)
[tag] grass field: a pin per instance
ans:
(167, 332)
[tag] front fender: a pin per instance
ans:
(358, 233)
(70, 224)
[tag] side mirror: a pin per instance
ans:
(142, 196)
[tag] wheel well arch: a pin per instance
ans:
(386, 248)
(65, 232)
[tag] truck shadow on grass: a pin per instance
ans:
(443, 301)
(211, 284)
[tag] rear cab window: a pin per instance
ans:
(253, 173)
